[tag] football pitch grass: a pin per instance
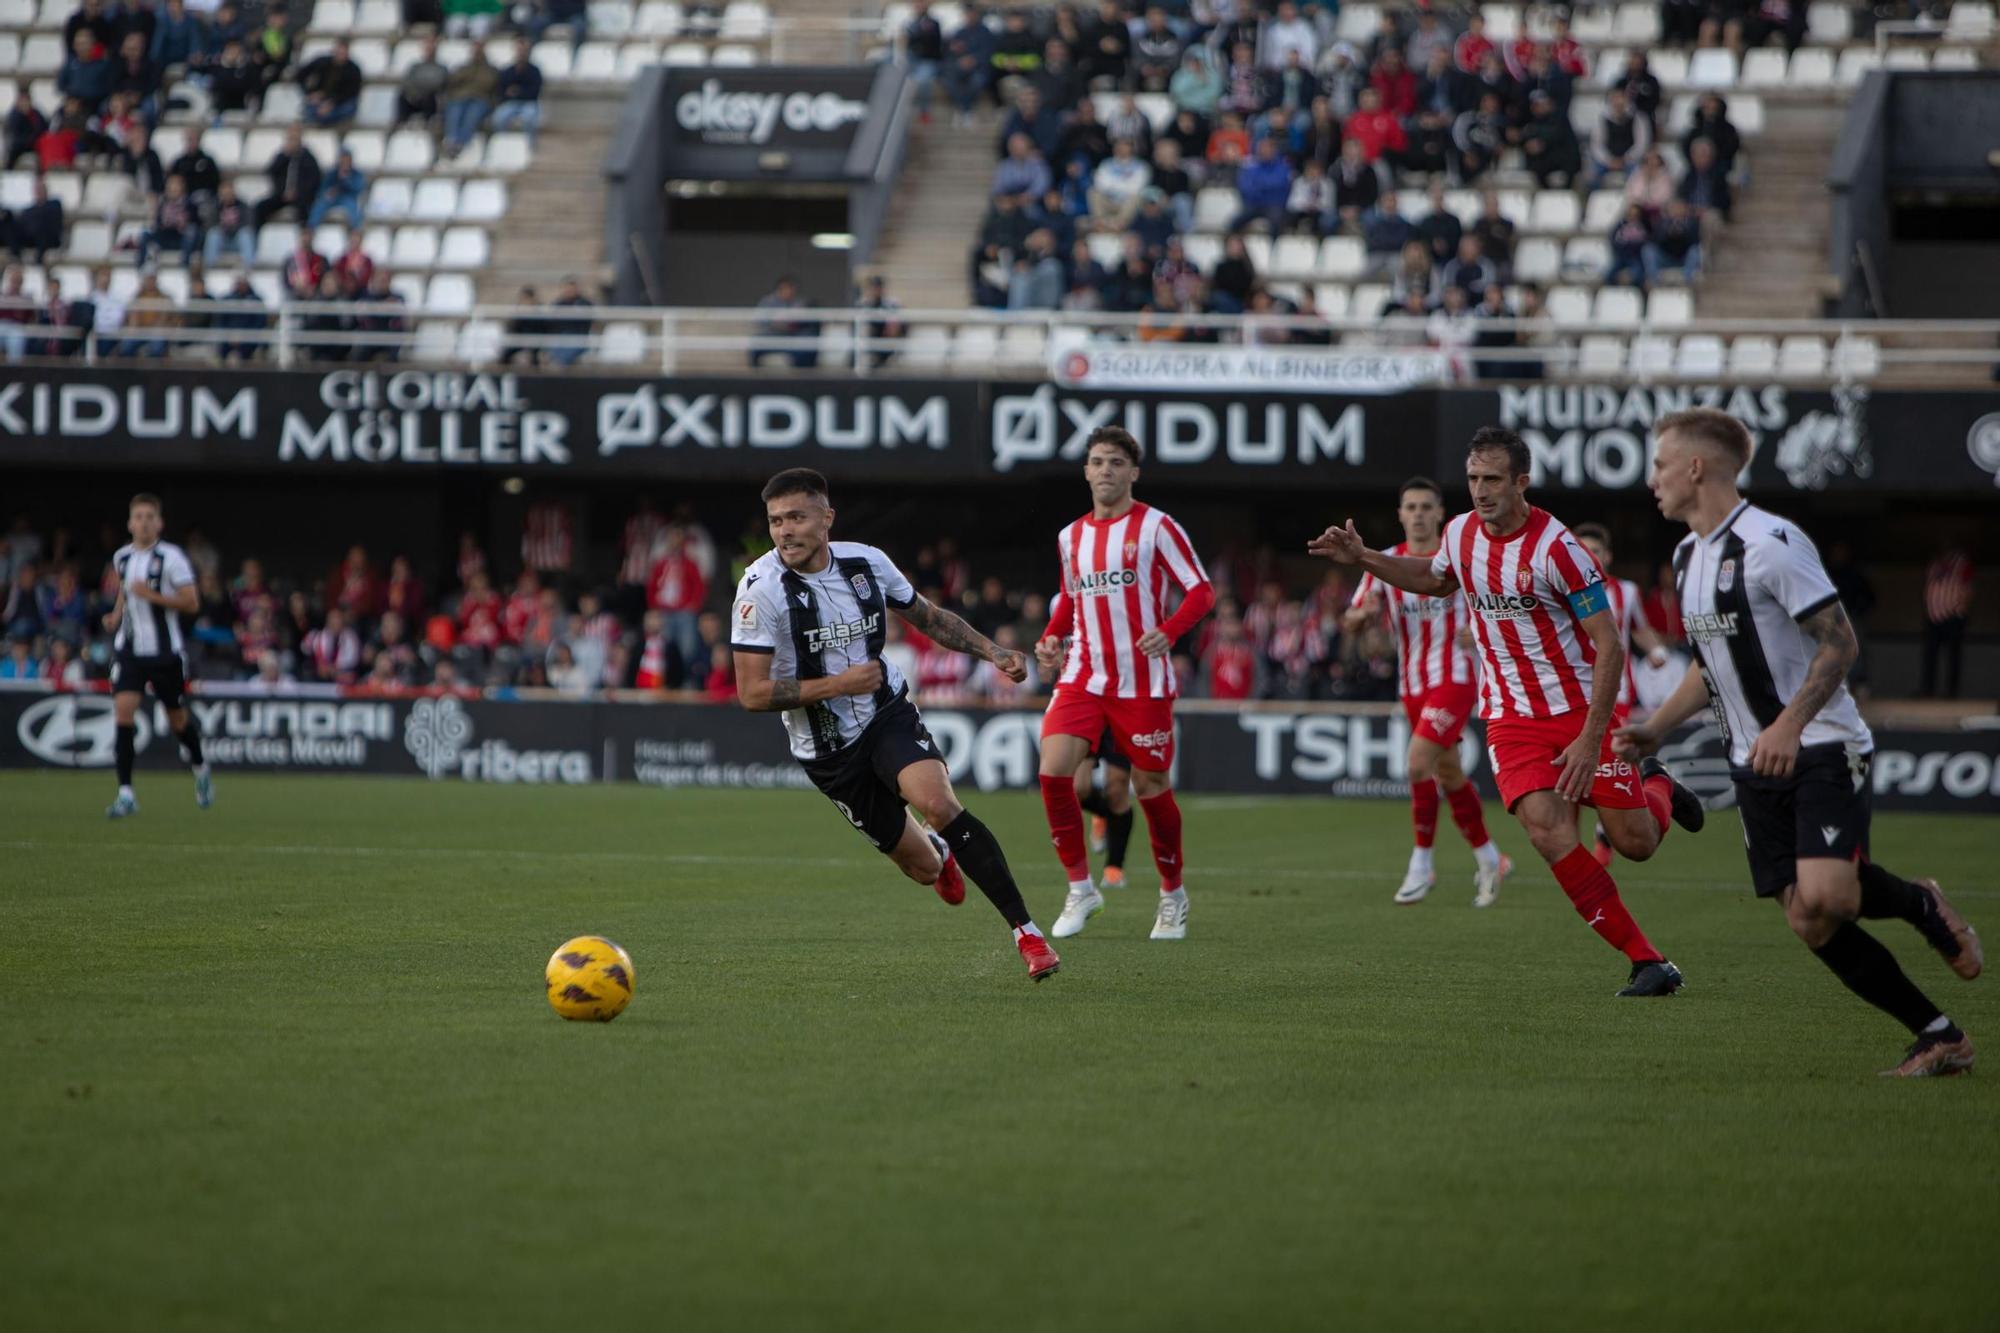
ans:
(287, 1063)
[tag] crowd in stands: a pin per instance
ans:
(654, 622)
(133, 63)
(1313, 136)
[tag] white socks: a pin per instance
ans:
(1081, 886)
(1488, 855)
(1030, 929)
(1420, 861)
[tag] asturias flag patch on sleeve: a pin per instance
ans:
(1588, 600)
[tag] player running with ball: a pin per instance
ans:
(1117, 561)
(807, 632)
(1439, 690)
(1551, 665)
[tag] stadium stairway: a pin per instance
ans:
(555, 218)
(1771, 261)
(939, 205)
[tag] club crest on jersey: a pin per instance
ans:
(860, 582)
(1524, 579)
(1131, 550)
(1725, 576)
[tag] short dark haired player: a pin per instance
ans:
(807, 632)
(156, 587)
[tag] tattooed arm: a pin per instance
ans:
(1776, 749)
(946, 630)
(758, 693)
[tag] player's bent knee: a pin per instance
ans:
(1149, 784)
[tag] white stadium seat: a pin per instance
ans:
(1331, 299)
(275, 240)
(1857, 358)
(1651, 356)
(415, 246)
(105, 193)
(1907, 57)
(1294, 257)
(1258, 248)
(1753, 356)
(624, 344)
(1602, 211)
(479, 341)
(330, 239)
(282, 104)
(1601, 354)
(378, 243)
(1855, 62)
(928, 347)
(436, 339)
(1638, 23)
(1569, 305)
(449, 294)
(1203, 250)
(656, 18)
(471, 158)
(390, 199)
(1801, 356)
(1537, 259)
(684, 55)
(1357, 23)
(408, 153)
(508, 152)
(1955, 58)
(976, 345)
(483, 201)
(436, 200)
(226, 147)
(733, 56)
(1669, 67)
(1367, 300)
(1670, 306)
(17, 14)
(1747, 111)
(1342, 257)
(746, 20)
(462, 247)
(379, 16)
(596, 62)
(1503, 22)
(1829, 22)
(1763, 68)
(88, 242)
(1617, 306)
(1586, 256)
(1024, 345)
(634, 57)
(1215, 208)
(66, 186)
(1700, 357)
(368, 149)
(1812, 67)
(1970, 21)
(1711, 67)
(1556, 212)
(42, 53)
(17, 189)
(610, 18)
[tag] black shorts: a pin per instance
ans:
(1106, 751)
(1821, 811)
(861, 779)
(164, 676)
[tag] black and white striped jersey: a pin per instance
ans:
(817, 625)
(148, 630)
(1744, 588)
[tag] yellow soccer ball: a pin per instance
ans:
(590, 978)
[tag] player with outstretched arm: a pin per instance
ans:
(1551, 660)
(807, 631)
(1772, 650)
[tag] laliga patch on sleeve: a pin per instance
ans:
(746, 615)
(1588, 600)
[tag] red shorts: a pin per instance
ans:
(1144, 728)
(1440, 715)
(1525, 751)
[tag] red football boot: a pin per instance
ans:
(950, 883)
(1040, 958)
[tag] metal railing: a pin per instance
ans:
(974, 343)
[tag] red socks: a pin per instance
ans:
(1163, 825)
(1066, 826)
(1659, 791)
(1596, 900)
(1424, 810)
(1469, 813)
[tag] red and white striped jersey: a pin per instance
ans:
(1115, 573)
(1535, 658)
(1625, 610)
(1427, 643)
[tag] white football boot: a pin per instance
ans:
(1078, 908)
(1486, 881)
(1416, 885)
(1171, 921)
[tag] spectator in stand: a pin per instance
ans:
(575, 327)
(1357, 187)
(353, 266)
(20, 662)
(885, 332)
(678, 592)
(1704, 185)
(1084, 137)
(1293, 87)
(1310, 202)
(1544, 76)
(1429, 150)
(36, 229)
(1453, 327)
(417, 95)
(89, 74)
(1620, 140)
(1393, 82)
(1549, 144)
(548, 540)
(25, 126)
(1440, 87)
(1439, 228)
(478, 617)
(1173, 180)
(520, 92)
(1016, 52)
(1948, 583)
(1109, 52)
(968, 64)
(1473, 45)
(1651, 187)
(774, 322)
(333, 651)
(403, 593)
(294, 174)
(234, 81)
(923, 56)
(1228, 147)
(1378, 130)
(384, 315)
(637, 549)
(1491, 312)
(1478, 138)
(1470, 269)
(1115, 187)
(332, 86)
(355, 587)
(1234, 277)
(1023, 173)
(1415, 276)
(471, 18)
(1002, 235)
(176, 225)
(1711, 122)
(230, 231)
(1496, 233)
(522, 335)
(1675, 244)
(1127, 121)
(1156, 52)
(1767, 19)
(1197, 85)
(17, 316)
(61, 668)
(178, 37)
(105, 316)
(1154, 226)
(1242, 82)
(1036, 282)
(574, 15)
(1042, 124)
(324, 328)
(1229, 661)
(1059, 82)
(652, 672)
(1642, 88)
(247, 314)
(1341, 79)
(305, 269)
(1287, 32)
(1629, 239)
(139, 161)
(1264, 185)
(342, 189)
(469, 94)
(1386, 234)
(271, 46)
(92, 16)
(197, 169)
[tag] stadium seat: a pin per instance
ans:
(1204, 250)
(1586, 257)
(449, 294)
(1955, 58)
(1569, 305)
(408, 153)
(746, 20)
(976, 345)
(378, 243)
(552, 59)
(1638, 23)
(72, 280)
(734, 56)
(1367, 300)
(105, 193)
(1670, 68)
(378, 16)
(1342, 257)
(436, 339)
(1700, 356)
(436, 200)
(283, 104)
(471, 158)
(1651, 356)
(1258, 248)
(1606, 68)
(1753, 357)
(634, 57)
(624, 341)
(1157, 108)
(1294, 257)
(1357, 23)
(1603, 210)
(1907, 57)
(1595, 25)
(275, 240)
(415, 246)
(462, 247)
(479, 341)
(1801, 356)
(682, 55)
(368, 147)
(1025, 346)
(324, 145)
(251, 187)
(508, 152)
(928, 347)
(1856, 358)
(1618, 306)
(1855, 62)
(88, 242)
(1106, 248)
(17, 14)
(1503, 22)
(1811, 67)
(1331, 299)
(596, 62)
(17, 189)
(1712, 67)
(41, 54)
(1215, 208)
(1556, 212)
(656, 18)
(66, 186)
(1537, 259)
(390, 199)
(35, 284)
(483, 201)
(1601, 354)
(1584, 111)
(408, 286)
(1670, 306)
(1517, 206)
(1747, 110)
(226, 147)
(1763, 68)
(1829, 22)
(260, 146)
(125, 283)
(610, 19)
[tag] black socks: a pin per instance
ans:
(980, 857)
(1885, 895)
(1093, 803)
(124, 746)
(190, 739)
(1117, 837)
(1868, 969)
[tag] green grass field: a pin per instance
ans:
(288, 1064)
